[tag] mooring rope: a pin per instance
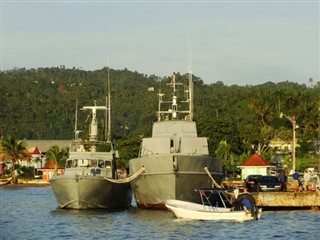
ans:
(213, 181)
(225, 193)
(128, 179)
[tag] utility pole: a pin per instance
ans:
(294, 127)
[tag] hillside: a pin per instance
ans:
(40, 104)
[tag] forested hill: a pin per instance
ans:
(40, 104)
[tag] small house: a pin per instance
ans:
(256, 165)
(48, 171)
(37, 158)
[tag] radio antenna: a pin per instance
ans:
(108, 114)
(191, 87)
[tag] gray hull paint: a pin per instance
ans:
(169, 176)
(89, 167)
(84, 184)
(174, 157)
(90, 192)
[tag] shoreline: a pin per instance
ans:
(26, 185)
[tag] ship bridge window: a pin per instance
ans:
(92, 163)
(75, 163)
(69, 164)
(83, 163)
(100, 163)
(108, 164)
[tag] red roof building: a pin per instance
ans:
(36, 157)
(256, 165)
(34, 151)
(256, 160)
(49, 165)
(48, 170)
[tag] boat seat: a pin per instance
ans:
(95, 171)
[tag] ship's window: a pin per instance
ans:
(75, 163)
(89, 163)
(171, 143)
(69, 164)
(100, 163)
(93, 163)
(82, 163)
(108, 164)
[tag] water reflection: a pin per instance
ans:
(31, 213)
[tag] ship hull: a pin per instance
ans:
(169, 176)
(90, 192)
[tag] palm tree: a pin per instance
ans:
(13, 150)
(57, 157)
(223, 150)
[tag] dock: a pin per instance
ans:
(304, 199)
(281, 200)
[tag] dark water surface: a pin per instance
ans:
(31, 213)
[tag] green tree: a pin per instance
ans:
(247, 117)
(14, 150)
(223, 150)
(57, 157)
(128, 149)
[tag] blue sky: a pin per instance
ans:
(236, 42)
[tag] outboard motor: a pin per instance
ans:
(245, 200)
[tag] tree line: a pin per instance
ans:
(237, 120)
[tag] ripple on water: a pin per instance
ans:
(30, 213)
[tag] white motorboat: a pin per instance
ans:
(243, 208)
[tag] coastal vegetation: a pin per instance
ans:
(238, 120)
(57, 157)
(13, 150)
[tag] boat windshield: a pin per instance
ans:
(100, 163)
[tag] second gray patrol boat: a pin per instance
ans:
(174, 158)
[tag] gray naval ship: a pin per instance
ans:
(175, 160)
(91, 180)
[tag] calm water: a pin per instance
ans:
(30, 213)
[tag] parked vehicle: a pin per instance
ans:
(269, 183)
(251, 183)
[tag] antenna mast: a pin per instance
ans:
(191, 87)
(160, 101)
(76, 132)
(108, 115)
(94, 124)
